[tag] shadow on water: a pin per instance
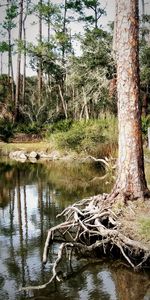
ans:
(31, 195)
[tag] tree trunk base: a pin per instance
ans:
(126, 196)
(92, 228)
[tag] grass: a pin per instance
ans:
(144, 227)
(134, 219)
(6, 148)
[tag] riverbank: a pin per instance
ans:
(33, 194)
(34, 151)
(48, 151)
(132, 217)
(97, 138)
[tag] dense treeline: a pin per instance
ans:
(68, 84)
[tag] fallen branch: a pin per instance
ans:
(96, 160)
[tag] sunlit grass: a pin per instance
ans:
(144, 227)
(45, 146)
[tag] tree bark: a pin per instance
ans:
(64, 105)
(64, 31)
(39, 71)
(25, 55)
(10, 63)
(19, 62)
(48, 40)
(48, 25)
(131, 181)
(85, 105)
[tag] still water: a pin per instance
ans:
(31, 195)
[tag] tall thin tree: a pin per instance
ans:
(9, 24)
(39, 70)
(24, 52)
(18, 75)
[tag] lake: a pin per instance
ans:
(31, 195)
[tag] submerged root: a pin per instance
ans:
(92, 228)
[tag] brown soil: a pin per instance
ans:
(25, 138)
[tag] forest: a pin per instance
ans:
(87, 100)
(74, 72)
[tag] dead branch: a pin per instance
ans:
(96, 160)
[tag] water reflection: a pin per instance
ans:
(31, 195)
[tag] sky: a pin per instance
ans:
(109, 6)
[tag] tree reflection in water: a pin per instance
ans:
(31, 195)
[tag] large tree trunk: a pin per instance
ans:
(131, 181)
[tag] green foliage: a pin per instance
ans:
(89, 11)
(6, 129)
(145, 65)
(97, 42)
(76, 5)
(90, 73)
(145, 124)
(72, 139)
(49, 11)
(60, 126)
(11, 14)
(63, 40)
(4, 47)
(83, 79)
(5, 90)
(29, 128)
(85, 136)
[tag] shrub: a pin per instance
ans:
(60, 126)
(145, 125)
(72, 138)
(6, 129)
(33, 128)
(87, 136)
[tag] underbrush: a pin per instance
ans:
(95, 137)
(6, 129)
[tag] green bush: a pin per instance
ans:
(6, 129)
(32, 128)
(145, 125)
(85, 136)
(60, 126)
(72, 138)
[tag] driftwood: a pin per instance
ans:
(91, 228)
(107, 162)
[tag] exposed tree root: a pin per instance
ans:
(91, 228)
